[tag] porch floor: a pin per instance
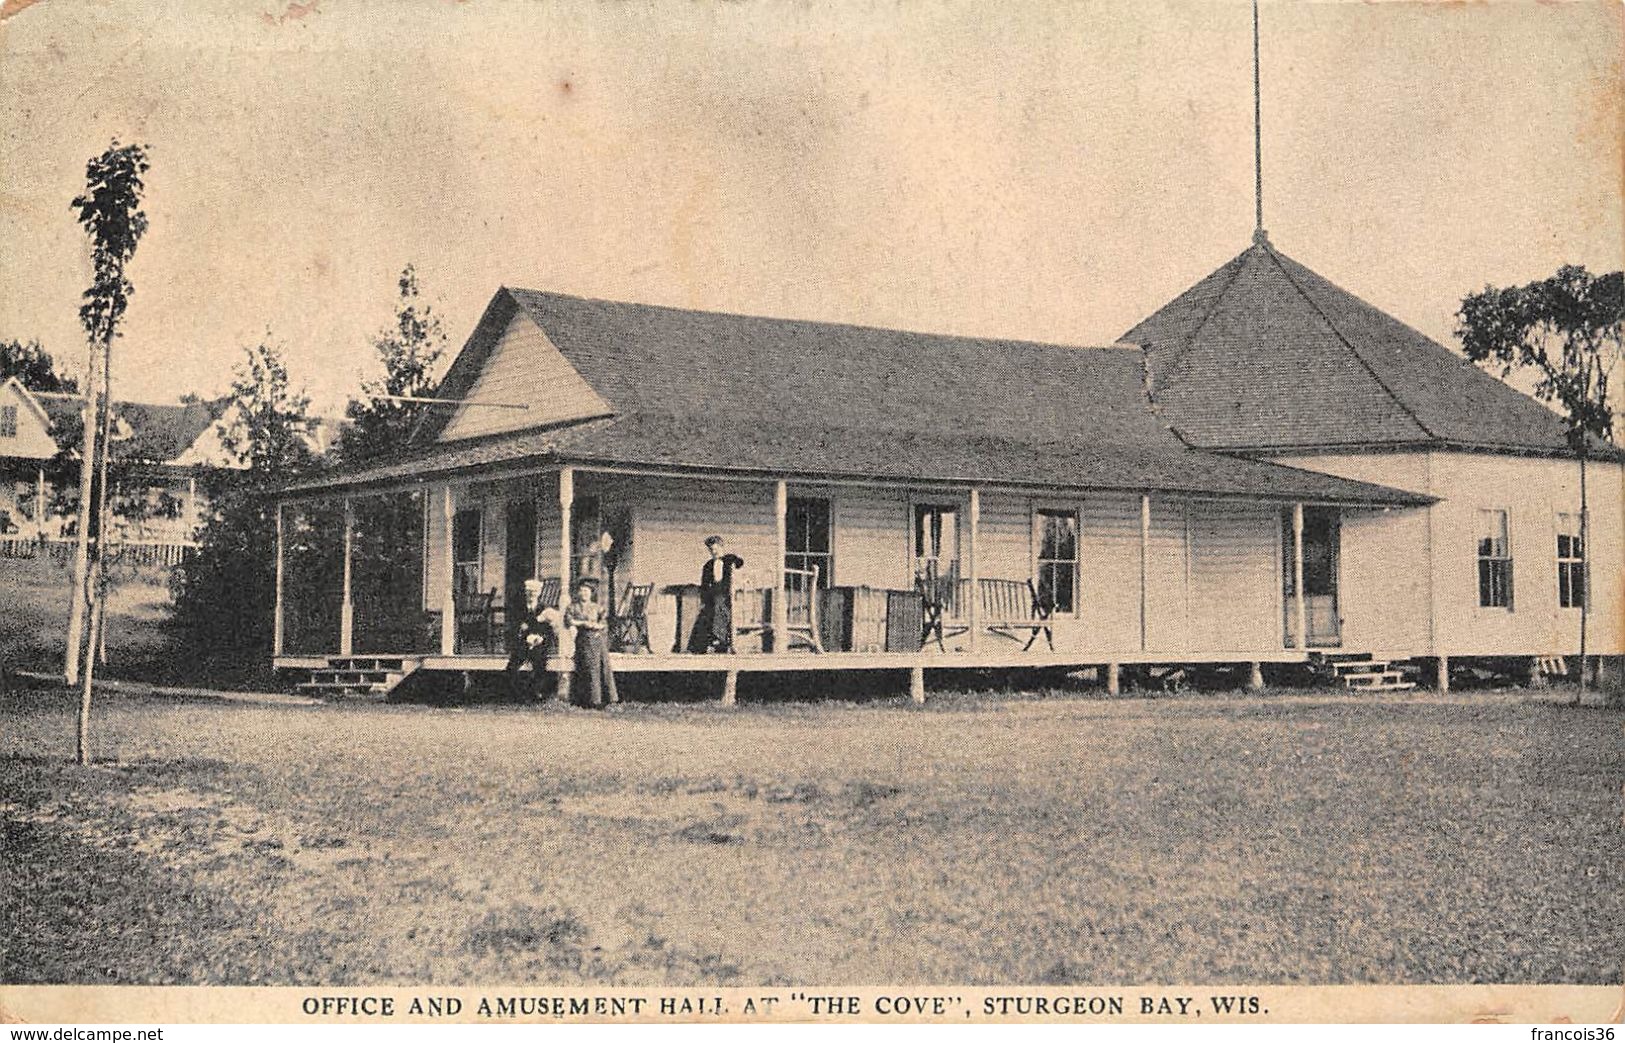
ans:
(756, 662)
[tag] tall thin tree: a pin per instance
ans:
(1569, 332)
(110, 211)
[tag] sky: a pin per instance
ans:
(1047, 171)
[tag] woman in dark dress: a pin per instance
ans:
(713, 627)
(593, 683)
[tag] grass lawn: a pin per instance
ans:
(1230, 839)
(141, 643)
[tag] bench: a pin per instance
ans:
(1011, 607)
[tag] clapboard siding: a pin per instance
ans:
(1109, 574)
(1384, 576)
(1235, 578)
(1532, 492)
(1213, 568)
(1410, 577)
(872, 537)
(1383, 581)
(524, 367)
(1167, 597)
(671, 518)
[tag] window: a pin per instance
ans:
(1494, 560)
(586, 532)
(936, 540)
(465, 549)
(1058, 559)
(8, 421)
(807, 537)
(1571, 562)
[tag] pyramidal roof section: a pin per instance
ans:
(1265, 354)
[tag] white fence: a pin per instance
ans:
(134, 554)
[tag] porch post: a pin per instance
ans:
(1299, 615)
(1145, 568)
(39, 502)
(448, 591)
(276, 614)
(347, 609)
(191, 506)
(567, 499)
(781, 620)
(973, 517)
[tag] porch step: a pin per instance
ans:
(1360, 671)
(358, 675)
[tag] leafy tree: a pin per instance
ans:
(1568, 332)
(110, 211)
(410, 350)
(35, 367)
(271, 429)
(225, 590)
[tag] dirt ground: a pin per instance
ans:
(1282, 837)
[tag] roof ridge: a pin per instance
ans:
(1213, 307)
(1269, 249)
(836, 324)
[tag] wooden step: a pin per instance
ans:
(358, 675)
(1380, 679)
(1356, 668)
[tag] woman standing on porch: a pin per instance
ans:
(594, 682)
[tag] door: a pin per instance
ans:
(1322, 540)
(520, 556)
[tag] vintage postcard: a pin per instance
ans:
(705, 511)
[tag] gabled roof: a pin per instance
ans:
(156, 433)
(710, 391)
(29, 398)
(1265, 354)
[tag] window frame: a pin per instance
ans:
(9, 418)
(478, 560)
(1039, 513)
(919, 511)
(803, 557)
(1486, 580)
(1570, 525)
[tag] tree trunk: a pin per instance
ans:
(81, 552)
(1585, 573)
(86, 677)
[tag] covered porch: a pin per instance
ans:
(839, 574)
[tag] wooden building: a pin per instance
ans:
(1264, 471)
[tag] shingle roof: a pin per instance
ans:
(1266, 354)
(703, 390)
(158, 433)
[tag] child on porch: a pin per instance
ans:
(594, 682)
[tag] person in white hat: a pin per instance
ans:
(534, 640)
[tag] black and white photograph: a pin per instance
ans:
(755, 510)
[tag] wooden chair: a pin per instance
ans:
(753, 611)
(1010, 606)
(942, 600)
(629, 630)
(477, 619)
(800, 595)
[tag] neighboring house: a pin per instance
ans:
(26, 448)
(159, 452)
(1267, 470)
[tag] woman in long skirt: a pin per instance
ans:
(594, 682)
